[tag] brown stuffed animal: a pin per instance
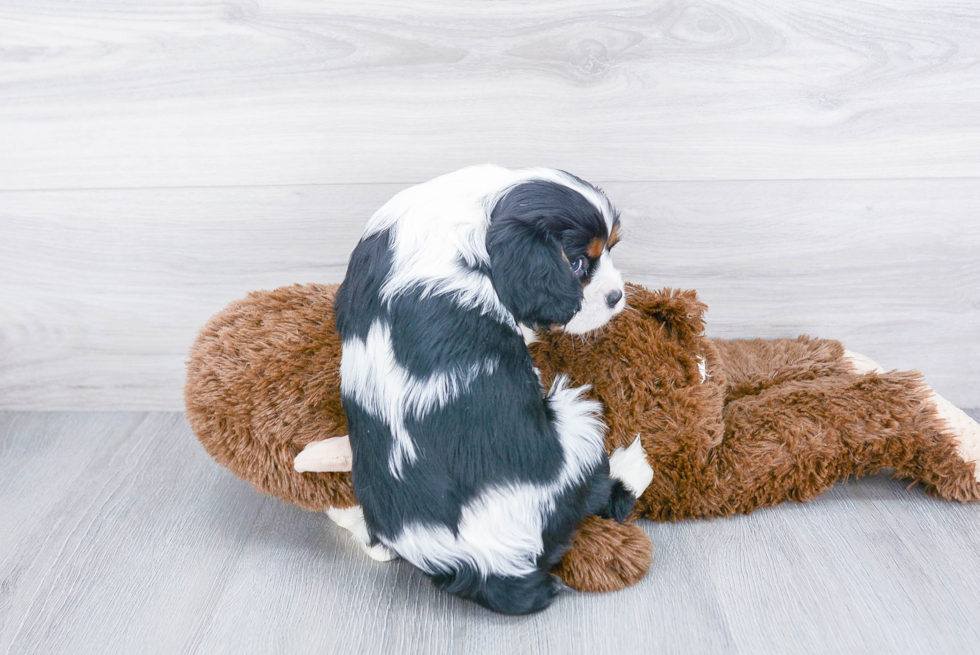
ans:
(728, 426)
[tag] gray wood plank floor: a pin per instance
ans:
(120, 535)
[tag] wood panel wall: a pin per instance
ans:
(808, 167)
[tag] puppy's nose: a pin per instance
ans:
(613, 297)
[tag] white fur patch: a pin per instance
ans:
(370, 375)
(352, 519)
(629, 465)
(529, 334)
(500, 530)
(437, 227)
(702, 368)
(595, 312)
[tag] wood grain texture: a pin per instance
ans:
(103, 291)
(108, 94)
(127, 538)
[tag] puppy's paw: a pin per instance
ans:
(352, 519)
(325, 456)
(605, 556)
(629, 465)
(379, 553)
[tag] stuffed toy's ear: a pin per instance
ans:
(530, 273)
(679, 310)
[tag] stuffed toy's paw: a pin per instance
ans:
(963, 429)
(329, 455)
(605, 556)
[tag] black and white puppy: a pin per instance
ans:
(461, 464)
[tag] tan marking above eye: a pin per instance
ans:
(614, 237)
(596, 246)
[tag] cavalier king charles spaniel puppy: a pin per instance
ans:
(462, 463)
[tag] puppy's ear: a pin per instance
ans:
(530, 273)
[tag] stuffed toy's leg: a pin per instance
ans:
(964, 430)
(820, 415)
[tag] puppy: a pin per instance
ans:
(462, 465)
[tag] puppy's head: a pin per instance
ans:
(549, 244)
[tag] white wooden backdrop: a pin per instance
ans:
(807, 166)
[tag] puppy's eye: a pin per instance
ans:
(580, 266)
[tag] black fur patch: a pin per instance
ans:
(497, 431)
(536, 230)
(621, 502)
(358, 301)
(507, 595)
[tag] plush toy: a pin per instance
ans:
(728, 426)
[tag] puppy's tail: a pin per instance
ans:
(507, 595)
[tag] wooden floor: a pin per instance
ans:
(120, 535)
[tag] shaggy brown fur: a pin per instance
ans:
(605, 556)
(263, 381)
(774, 420)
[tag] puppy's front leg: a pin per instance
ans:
(630, 466)
(630, 475)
